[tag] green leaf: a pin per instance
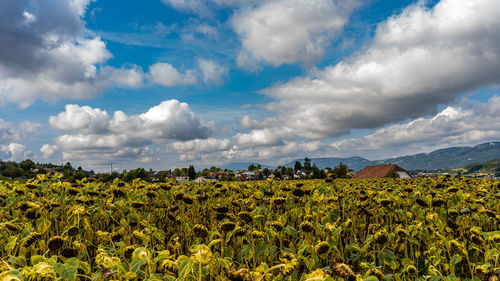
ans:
(455, 260)
(371, 278)
(43, 225)
(136, 264)
(11, 243)
(185, 268)
(67, 270)
(291, 231)
(35, 259)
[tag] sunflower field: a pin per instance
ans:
(312, 230)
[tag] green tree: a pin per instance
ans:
(307, 165)
(341, 171)
(12, 172)
(297, 167)
(266, 172)
(68, 166)
(27, 164)
(191, 172)
(251, 167)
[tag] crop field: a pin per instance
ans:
(379, 229)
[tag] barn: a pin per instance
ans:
(382, 171)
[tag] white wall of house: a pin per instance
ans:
(403, 174)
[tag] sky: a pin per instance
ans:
(169, 83)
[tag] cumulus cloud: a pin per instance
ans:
(83, 119)
(10, 132)
(130, 76)
(165, 74)
(212, 72)
(205, 7)
(288, 31)
(418, 59)
(47, 53)
(48, 150)
(93, 133)
(15, 151)
(198, 148)
(455, 125)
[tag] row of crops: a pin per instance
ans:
(378, 229)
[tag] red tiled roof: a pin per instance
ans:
(377, 171)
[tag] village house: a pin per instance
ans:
(182, 179)
(382, 171)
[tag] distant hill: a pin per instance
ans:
(491, 166)
(243, 165)
(447, 158)
(356, 163)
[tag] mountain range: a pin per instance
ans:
(447, 158)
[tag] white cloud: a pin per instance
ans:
(93, 134)
(418, 59)
(130, 76)
(455, 125)
(200, 145)
(48, 150)
(205, 8)
(198, 148)
(10, 132)
(287, 31)
(16, 151)
(83, 119)
(212, 72)
(165, 74)
(47, 53)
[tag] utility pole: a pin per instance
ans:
(108, 164)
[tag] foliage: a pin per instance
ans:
(308, 230)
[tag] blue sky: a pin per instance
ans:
(166, 83)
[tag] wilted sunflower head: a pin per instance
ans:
(169, 266)
(151, 194)
(342, 270)
(187, 199)
(139, 236)
(55, 243)
(73, 191)
(374, 272)
(401, 232)
(73, 231)
(245, 216)
(494, 238)
(480, 271)
(299, 192)
(306, 226)
(128, 251)
(322, 248)
(277, 225)
(286, 257)
(221, 209)
(31, 238)
(116, 236)
(32, 214)
(381, 237)
(238, 275)
(258, 234)
(421, 202)
(137, 204)
(239, 231)
(200, 231)
(278, 201)
(227, 226)
(12, 227)
(289, 267)
(411, 270)
(69, 252)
